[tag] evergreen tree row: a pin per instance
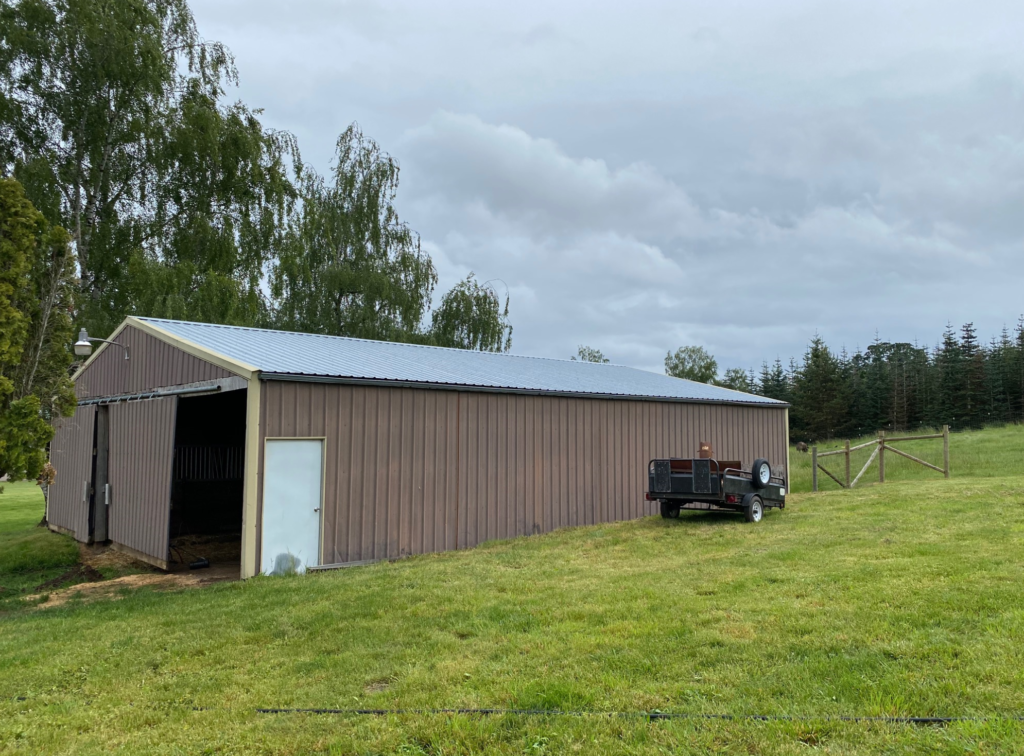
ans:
(960, 382)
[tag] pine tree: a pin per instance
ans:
(1016, 369)
(977, 410)
(998, 377)
(950, 381)
(820, 400)
(773, 382)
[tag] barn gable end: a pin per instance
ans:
(154, 364)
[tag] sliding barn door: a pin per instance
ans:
(71, 451)
(141, 462)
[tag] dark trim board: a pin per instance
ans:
(219, 385)
(379, 383)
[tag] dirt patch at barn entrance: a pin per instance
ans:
(90, 585)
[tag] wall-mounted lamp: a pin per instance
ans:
(83, 347)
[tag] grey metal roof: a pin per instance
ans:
(312, 356)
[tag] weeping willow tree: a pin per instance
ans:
(472, 316)
(111, 116)
(350, 267)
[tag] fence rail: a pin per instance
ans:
(199, 463)
(882, 444)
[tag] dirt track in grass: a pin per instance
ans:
(114, 589)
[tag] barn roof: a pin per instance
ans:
(307, 356)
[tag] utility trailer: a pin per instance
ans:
(711, 485)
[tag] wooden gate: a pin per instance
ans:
(882, 444)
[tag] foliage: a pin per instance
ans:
(471, 316)
(182, 206)
(773, 382)
(693, 363)
(110, 115)
(819, 399)
(36, 269)
(886, 600)
(897, 386)
(589, 354)
(736, 379)
(350, 267)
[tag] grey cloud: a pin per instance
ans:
(628, 259)
(642, 175)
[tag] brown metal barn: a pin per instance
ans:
(291, 451)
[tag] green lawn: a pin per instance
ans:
(29, 555)
(903, 599)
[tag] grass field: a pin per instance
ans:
(898, 600)
(29, 555)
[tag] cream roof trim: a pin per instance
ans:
(96, 352)
(189, 347)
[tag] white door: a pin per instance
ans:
(292, 479)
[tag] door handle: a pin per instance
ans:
(317, 509)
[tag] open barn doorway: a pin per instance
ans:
(207, 482)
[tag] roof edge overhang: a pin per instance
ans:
(382, 383)
(189, 347)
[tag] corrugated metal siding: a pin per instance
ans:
(390, 478)
(534, 464)
(153, 364)
(141, 456)
(71, 455)
(414, 470)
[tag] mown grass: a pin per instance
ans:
(29, 555)
(903, 599)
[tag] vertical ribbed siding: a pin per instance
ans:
(141, 458)
(391, 464)
(585, 460)
(71, 456)
(153, 364)
(415, 470)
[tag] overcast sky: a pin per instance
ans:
(644, 175)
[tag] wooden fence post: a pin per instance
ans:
(881, 456)
(814, 468)
(847, 463)
(945, 450)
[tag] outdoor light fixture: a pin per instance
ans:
(83, 347)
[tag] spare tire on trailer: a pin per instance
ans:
(761, 473)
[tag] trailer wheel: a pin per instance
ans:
(669, 511)
(761, 473)
(753, 509)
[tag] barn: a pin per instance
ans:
(294, 451)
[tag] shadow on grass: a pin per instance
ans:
(703, 518)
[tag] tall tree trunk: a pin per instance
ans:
(57, 270)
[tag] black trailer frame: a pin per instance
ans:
(703, 484)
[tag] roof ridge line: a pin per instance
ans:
(376, 360)
(399, 343)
